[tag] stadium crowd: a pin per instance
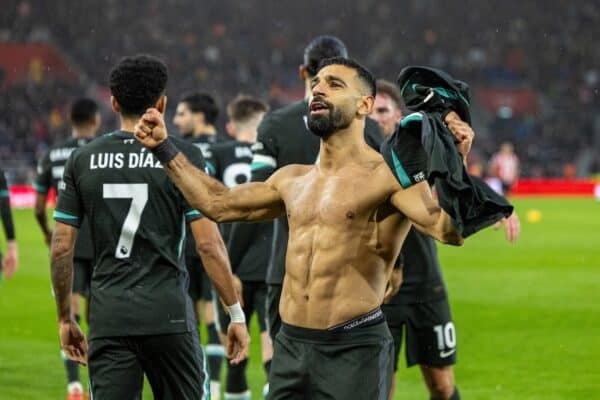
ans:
(225, 47)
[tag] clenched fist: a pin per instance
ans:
(463, 133)
(150, 129)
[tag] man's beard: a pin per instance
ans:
(324, 125)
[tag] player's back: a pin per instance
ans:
(137, 218)
(247, 244)
(231, 161)
(49, 173)
(52, 164)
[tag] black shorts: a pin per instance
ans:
(272, 306)
(173, 363)
(254, 295)
(82, 276)
(200, 286)
(319, 364)
(430, 334)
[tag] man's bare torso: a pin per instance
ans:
(344, 238)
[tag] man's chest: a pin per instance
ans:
(332, 200)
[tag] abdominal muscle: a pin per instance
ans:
(332, 275)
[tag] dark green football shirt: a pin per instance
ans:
(5, 211)
(49, 173)
(422, 275)
(283, 139)
(204, 143)
(137, 218)
(247, 244)
(422, 279)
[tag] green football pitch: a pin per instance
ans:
(527, 315)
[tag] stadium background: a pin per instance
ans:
(527, 315)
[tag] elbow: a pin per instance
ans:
(452, 238)
(210, 248)
(218, 217)
(215, 209)
(59, 250)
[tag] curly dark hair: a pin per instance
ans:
(137, 83)
(83, 111)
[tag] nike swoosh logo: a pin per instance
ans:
(444, 354)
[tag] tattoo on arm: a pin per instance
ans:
(61, 270)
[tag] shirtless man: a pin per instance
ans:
(348, 217)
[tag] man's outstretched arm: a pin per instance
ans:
(248, 202)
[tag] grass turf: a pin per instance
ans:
(527, 315)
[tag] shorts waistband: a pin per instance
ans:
(371, 318)
(366, 323)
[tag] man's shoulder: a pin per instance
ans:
(61, 149)
(187, 146)
(296, 108)
(230, 144)
(293, 171)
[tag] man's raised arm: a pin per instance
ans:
(248, 202)
(419, 206)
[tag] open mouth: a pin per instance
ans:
(317, 107)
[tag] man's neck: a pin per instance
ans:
(128, 124)
(248, 136)
(205, 130)
(83, 133)
(342, 147)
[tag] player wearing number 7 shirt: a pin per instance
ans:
(141, 318)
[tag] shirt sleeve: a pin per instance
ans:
(43, 180)
(404, 153)
(265, 150)
(194, 155)
(69, 207)
(5, 212)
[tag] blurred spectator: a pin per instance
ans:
(226, 46)
(505, 166)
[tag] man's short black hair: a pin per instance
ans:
(363, 74)
(321, 48)
(204, 103)
(137, 83)
(244, 108)
(83, 111)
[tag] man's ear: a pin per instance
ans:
(198, 118)
(365, 106)
(161, 104)
(97, 121)
(115, 106)
(302, 73)
(230, 129)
